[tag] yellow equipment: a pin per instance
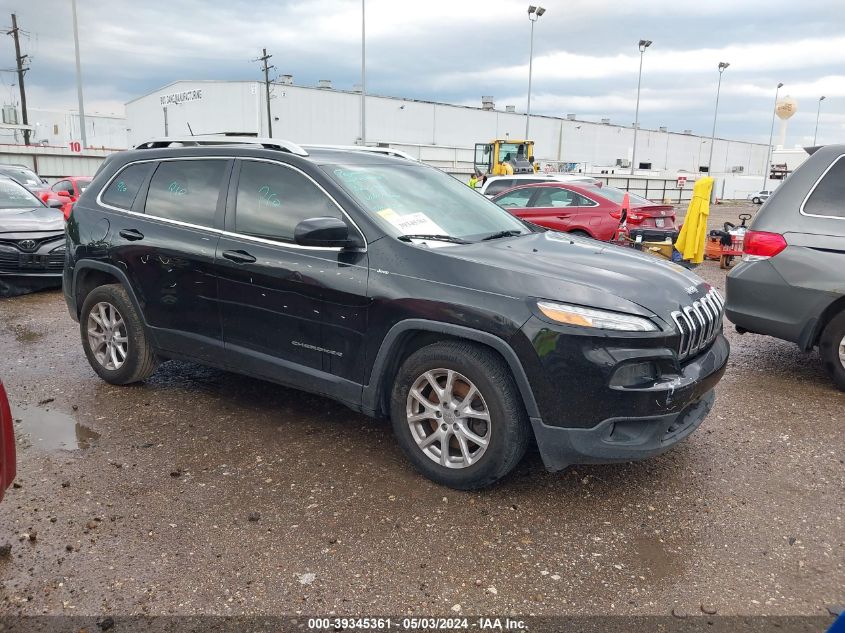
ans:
(503, 157)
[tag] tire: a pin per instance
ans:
(580, 233)
(111, 304)
(832, 349)
(756, 201)
(467, 465)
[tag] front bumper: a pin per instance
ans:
(584, 417)
(619, 439)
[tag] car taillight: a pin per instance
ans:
(761, 245)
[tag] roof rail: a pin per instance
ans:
(201, 141)
(370, 149)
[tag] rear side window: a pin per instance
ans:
(498, 186)
(828, 198)
(273, 199)
(558, 198)
(124, 187)
(186, 190)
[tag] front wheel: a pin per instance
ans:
(458, 415)
(756, 201)
(113, 337)
(832, 349)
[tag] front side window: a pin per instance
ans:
(124, 187)
(16, 196)
(186, 190)
(515, 199)
(273, 199)
(828, 198)
(416, 199)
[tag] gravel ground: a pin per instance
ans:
(206, 492)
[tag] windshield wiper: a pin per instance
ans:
(433, 238)
(500, 234)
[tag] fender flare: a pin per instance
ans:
(372, 392)
(113, 270)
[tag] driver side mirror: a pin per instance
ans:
(323, 232)
(63, 194)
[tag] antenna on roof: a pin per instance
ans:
(189, 128)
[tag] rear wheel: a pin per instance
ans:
(458, 415)
(756, 201)
(579, 233)
(113, 337)
(832, 349)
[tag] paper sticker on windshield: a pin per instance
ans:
(412, 223)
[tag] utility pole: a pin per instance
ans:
(264, 58)
(21, 71)
(79, 78)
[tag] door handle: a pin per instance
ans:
(239, 257)
(131, 234)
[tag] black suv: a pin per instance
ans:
(394, 288)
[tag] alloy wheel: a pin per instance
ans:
(107, 336)
(842, 351)
(448, 418)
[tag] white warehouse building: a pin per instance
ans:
(439, 133)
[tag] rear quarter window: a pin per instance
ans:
(828, 197)
(123, 188)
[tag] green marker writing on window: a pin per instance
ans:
(268, 197)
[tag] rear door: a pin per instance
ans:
(566, 209)
(291, 313)
(166, 244)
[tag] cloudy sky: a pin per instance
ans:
(585, 54)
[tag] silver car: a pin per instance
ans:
(791, 282)
(760, 197)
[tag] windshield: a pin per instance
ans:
(616, 195)
(22, 175)
(419, 200)
(510, 151)
(15, 196)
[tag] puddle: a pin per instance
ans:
(653, 559)
(52, 430)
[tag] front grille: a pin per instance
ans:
(12, 262)
(699, 323)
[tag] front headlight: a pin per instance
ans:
(591, 317)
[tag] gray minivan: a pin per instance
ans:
(791, 284)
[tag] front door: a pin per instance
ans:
(290, 313)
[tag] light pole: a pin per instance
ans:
(78, 77)
(769, 148)
(818, 114)
(363, 72)
(534, 14)
(722, 67)
(644, 44)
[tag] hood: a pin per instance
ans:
(31, 219)
(562, 267)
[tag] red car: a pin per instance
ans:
(590, 210)
(7, 443)
(69, 189)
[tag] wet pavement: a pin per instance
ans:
(202, 491)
